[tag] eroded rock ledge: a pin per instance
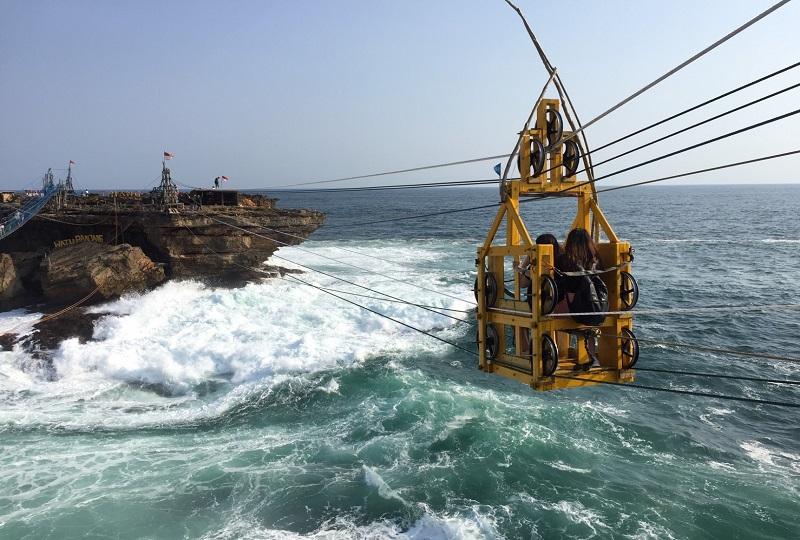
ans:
(60, 257)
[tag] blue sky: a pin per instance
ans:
(276, 92)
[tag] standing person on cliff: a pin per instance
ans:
(216, 182)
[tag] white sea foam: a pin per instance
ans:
(372, 478)
(770, 458)
(430, 526)
(781, 241)
(18, 321)
(185, 333)
(561, 466)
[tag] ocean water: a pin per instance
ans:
(275, 411)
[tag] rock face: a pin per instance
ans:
(10, 285)
(71, 273)
(55, 256)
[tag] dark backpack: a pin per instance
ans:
(590, 297)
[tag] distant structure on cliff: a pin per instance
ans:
(165, 196)
(61, 244)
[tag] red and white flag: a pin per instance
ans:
(71, 162)
(167, 155)
(224, 178)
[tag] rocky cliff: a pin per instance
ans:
(58, 256)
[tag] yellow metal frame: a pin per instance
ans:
(515, 313)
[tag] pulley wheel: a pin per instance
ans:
(571, 158)
(628, 290)
(555, 127)
(629, 347)
(537, 158)
(492, 345)
(549, 356)
(490, 289)
(548, 294)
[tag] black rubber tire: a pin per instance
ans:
(629, 346)
(628, 291)
(490, 289)
(492, 345)
(548, 295)
(571, 158)
(549, 356)
(538, 155)
(555, 127)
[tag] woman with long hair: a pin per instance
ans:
(580, 254)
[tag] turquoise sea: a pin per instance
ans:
(275, 411)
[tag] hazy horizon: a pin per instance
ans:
(279, 93)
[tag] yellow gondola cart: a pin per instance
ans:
(525, 340)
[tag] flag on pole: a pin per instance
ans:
(224, 178)
(497, 169)
(167, 155)
(71, 162)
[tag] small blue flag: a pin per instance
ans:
(497, 169)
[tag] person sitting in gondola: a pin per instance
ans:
(579, 255)
(524, 271)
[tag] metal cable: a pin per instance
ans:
(336, 277)
(704, 348)
(691, 310)
(660, 139)
(459, 347)
(625, 137)
(557, 194)
(396, 301)
(689, 392)
(387, 187)
(718, 376)
(676, 152)
(709, 169)
(361, 253)
(699, 105)
(399, 171)
(342, 262)
(261, 271)
(683, 64)
(684, 130)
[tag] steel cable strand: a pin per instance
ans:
(290, 235)
(676, 152)
(705, 348)
(684, 130)
(474, 353)
(561, 193)
(269, 274)
(718, 376)
(459, 347)
(699, 171)
(687, 310)
(334, 276)
(586, 169)
(584, 126)
(345, 263)
(689, 392)
(683, 64)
